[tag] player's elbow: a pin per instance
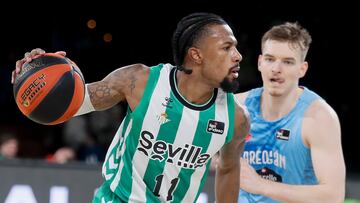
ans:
(335, 194)
(223, 168)
(336, 189)
(338, 195)
(335, 198)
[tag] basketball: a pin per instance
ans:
(50, 89)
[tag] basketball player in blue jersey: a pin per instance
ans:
(293, 152)
(179, 117)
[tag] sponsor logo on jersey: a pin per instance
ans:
(215, 127)
(269, 174)
(187, 156)
(283, 134)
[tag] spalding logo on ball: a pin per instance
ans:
(49, 90)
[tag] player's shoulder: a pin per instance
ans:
(138, 67)
(320, 110)
(155, 69)
(241, 97)
(129, 78)
(137, 71)
(320, 122)
(242, 116)
(241, 111)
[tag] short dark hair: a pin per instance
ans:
(188, 32)
(293, 33)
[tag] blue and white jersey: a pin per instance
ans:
(275, 148)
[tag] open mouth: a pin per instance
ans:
(235, 72)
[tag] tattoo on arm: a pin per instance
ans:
(126, 78)
(116, 87)
(133, 79)
(100, 96)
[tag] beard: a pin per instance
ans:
(229, 86)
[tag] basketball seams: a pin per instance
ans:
(56, 102)
(76, 101)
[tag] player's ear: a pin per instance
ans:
(195, 55)
(304, 67)
(259, 62)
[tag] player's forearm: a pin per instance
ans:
(304, 193)
(227, 185)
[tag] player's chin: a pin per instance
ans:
(275, 92)
(229, 85)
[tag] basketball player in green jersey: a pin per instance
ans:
(179, 117)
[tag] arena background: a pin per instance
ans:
(141, 33)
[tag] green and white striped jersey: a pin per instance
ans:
(162, 150)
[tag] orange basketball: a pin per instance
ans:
(49, 90)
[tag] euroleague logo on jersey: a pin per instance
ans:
(283, 134)
(215, 127)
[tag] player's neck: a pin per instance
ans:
(276, 107)
(193, 89)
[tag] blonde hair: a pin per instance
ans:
(293, 33)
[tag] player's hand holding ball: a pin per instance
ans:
(48, 87)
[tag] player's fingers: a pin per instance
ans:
(19, 64)
(62, 53)
(27, 57)
(27, 54)
(36, 52)
(13, 77)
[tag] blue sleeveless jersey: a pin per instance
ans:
(275, 149)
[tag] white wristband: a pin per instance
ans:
(86, 106)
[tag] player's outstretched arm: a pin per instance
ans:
(125, 83)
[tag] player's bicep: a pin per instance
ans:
(117, 86)
(324, 136)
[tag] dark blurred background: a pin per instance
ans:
(139, 33)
